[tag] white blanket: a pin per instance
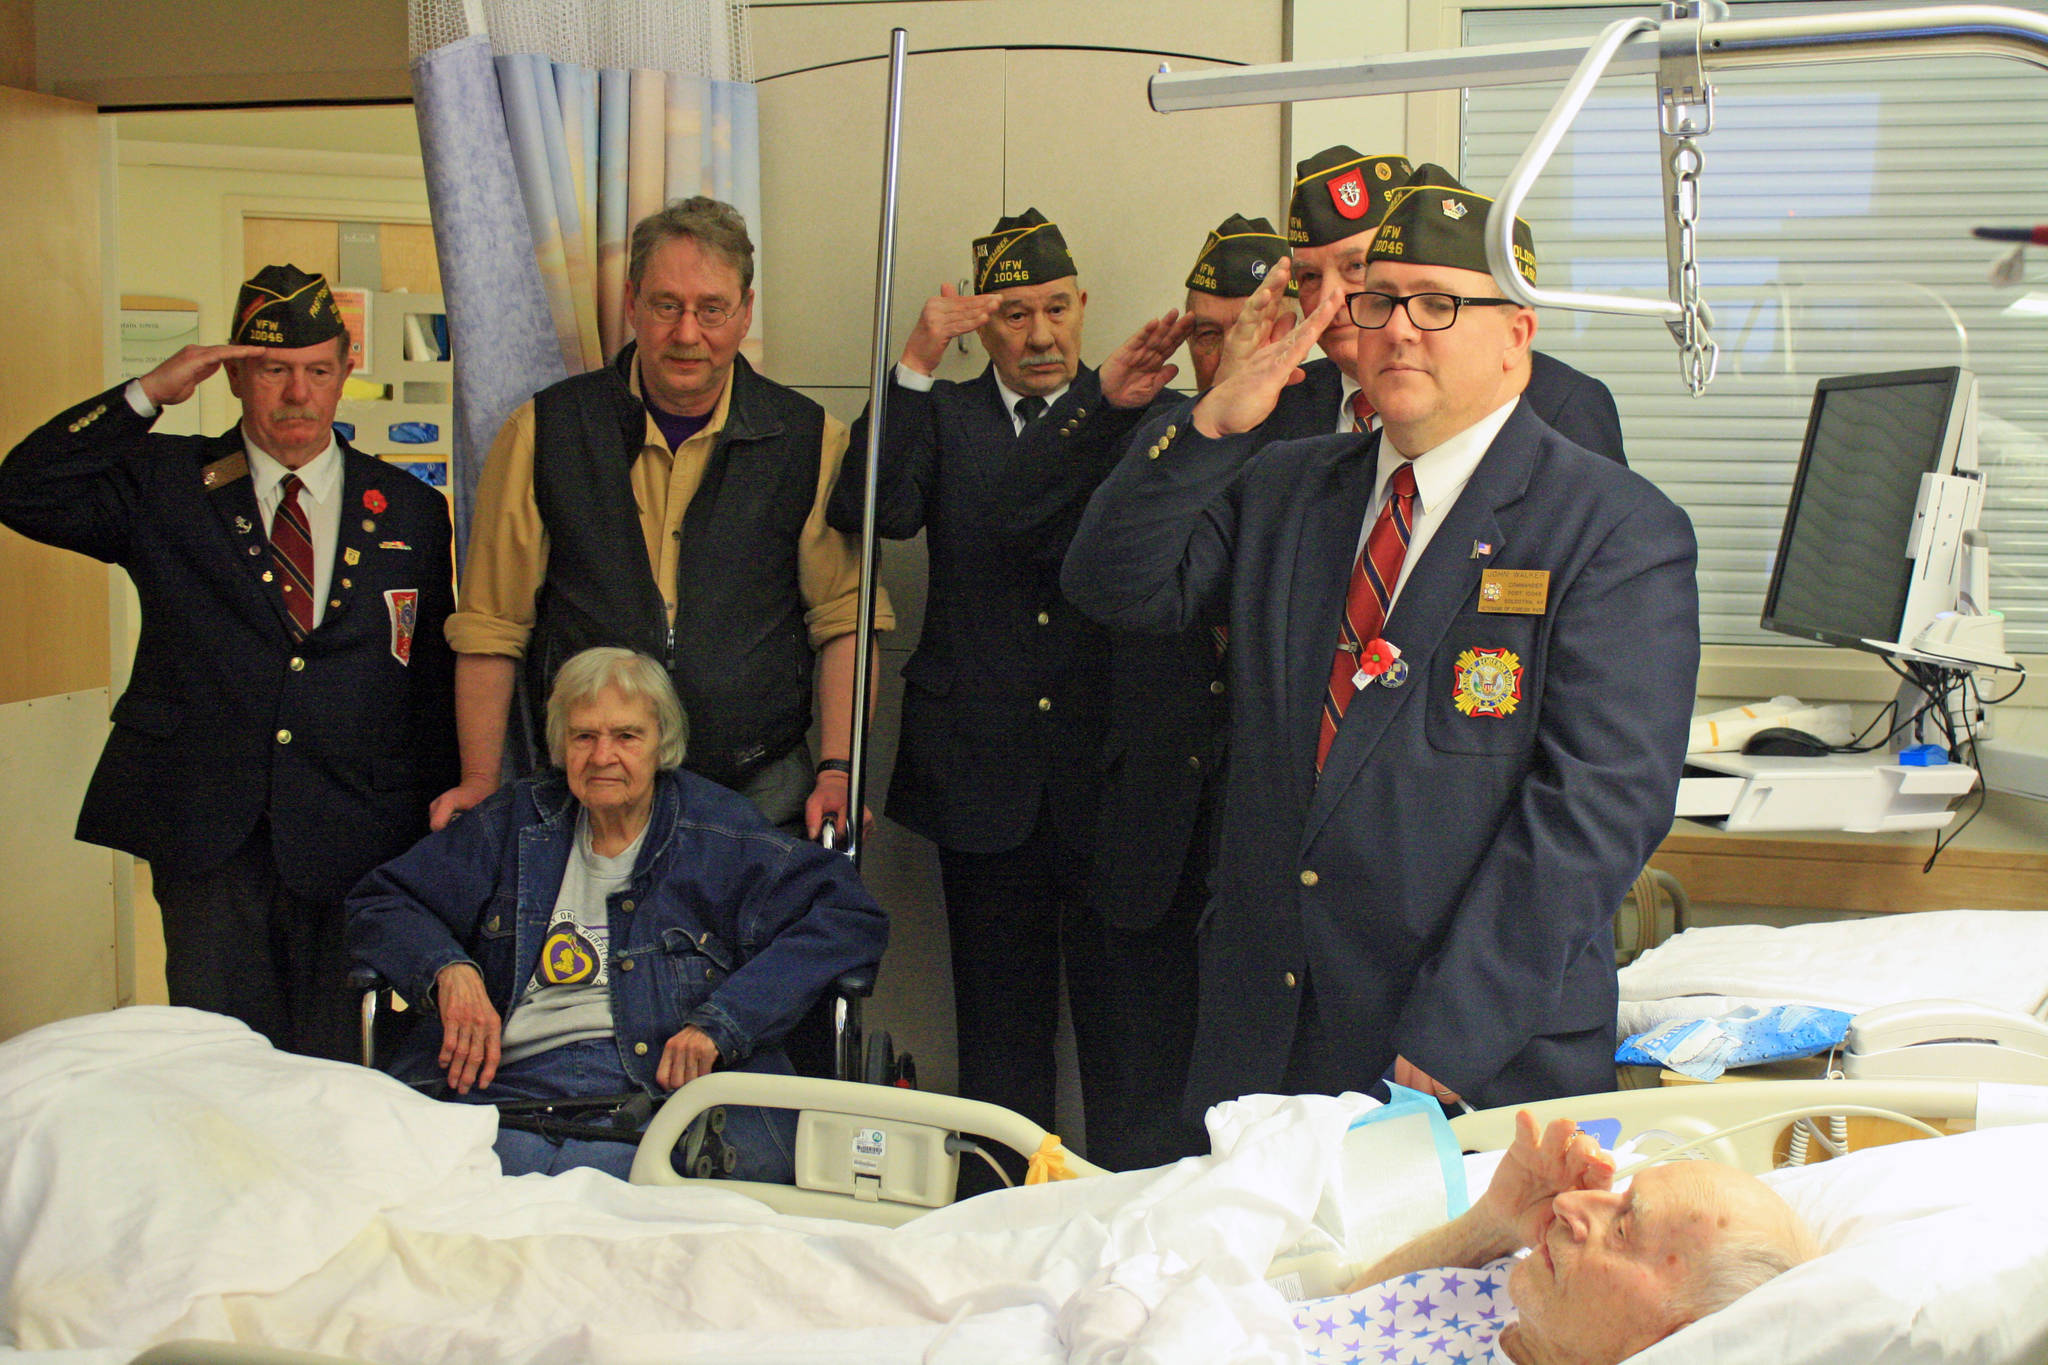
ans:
(1991, 957)
(166, 1174)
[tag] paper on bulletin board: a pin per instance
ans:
(153, 329)
(354, 307)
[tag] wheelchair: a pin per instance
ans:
(870, 1058)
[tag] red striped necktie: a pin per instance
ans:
(1361, 411)
(1373, 576)
(291, 549)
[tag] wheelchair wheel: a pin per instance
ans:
(878, 1067)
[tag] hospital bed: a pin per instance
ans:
(1936, 993)
(168, 1176)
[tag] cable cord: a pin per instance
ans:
(1843, 1111)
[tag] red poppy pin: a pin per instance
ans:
(374, 500)
(1378, 659)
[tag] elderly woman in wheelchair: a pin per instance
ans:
(614, 926)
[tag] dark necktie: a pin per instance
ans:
(291, 548)
(1028, 408)
(1361, 411)
(1373, 576)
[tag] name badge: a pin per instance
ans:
(1515, 592)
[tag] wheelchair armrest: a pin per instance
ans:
(857, 983)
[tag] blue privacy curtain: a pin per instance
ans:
(548, 128)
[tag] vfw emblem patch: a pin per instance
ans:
(1488, 682)
(1349, 194)
(403, 604)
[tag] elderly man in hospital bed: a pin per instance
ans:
(615, 925)
(1608, 1273)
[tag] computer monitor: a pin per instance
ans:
(1871, 548)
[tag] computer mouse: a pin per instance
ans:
(1781, 742)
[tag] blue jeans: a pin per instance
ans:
(765, 1139)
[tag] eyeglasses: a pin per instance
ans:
(1429, 312)
(710, 316)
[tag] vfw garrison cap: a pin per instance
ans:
(1025, 249)
(1434, 220)
(1340, 193)
(281, 305)
(1235, 259)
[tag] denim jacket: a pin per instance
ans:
(726, 922)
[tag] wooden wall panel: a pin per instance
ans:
(408, 257)
(311, 244)
(53, 605)
(1822, 874)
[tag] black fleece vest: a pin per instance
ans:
(740, 652)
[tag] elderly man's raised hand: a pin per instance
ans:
(1538, 1168)
(688, 1055)
(178, 378)
(947, 315)
(1262, 355)
(1137, 370)
(470, 1030)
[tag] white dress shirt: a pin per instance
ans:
(922, 383)
(320, 499)
(1343, 427)
(1440, 475)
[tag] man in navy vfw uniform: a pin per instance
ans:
(1462, 658)
(1004, 697)
(290, 712)
(1160, 766)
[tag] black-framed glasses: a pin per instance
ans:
(1429, 312)
(710, 316)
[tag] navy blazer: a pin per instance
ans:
(1003, 697)
(1576, 406)
(1168, 710)
(1449, 883)
(341, 740)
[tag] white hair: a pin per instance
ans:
(636, 678)
(1737, 1263)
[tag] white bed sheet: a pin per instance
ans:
(166, 1175)
(1992, 957)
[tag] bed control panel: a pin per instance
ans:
(875, 1160)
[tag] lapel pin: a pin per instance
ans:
(244, 525)
(351, 556)
(1481, 549)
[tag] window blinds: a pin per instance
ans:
(1834, 238)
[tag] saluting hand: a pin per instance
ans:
(1538, 1169)
(1262, 354)
(950, 314)
(470, 1030)
(178, 378)
(1137, 370)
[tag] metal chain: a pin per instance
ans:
(1699, 355)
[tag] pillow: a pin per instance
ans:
(1936, 1252)
(1992, 957)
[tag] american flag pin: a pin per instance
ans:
(1481, 549)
